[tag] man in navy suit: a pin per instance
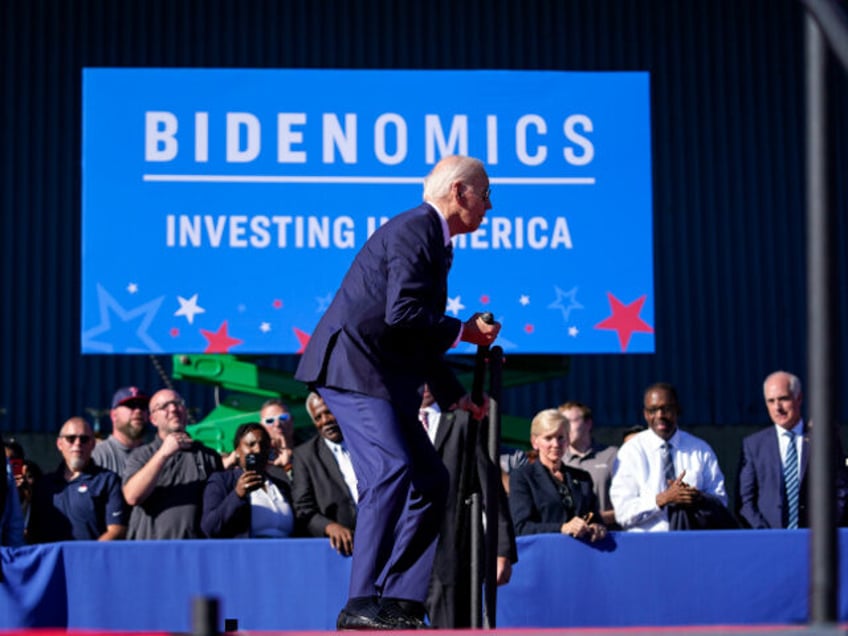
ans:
(761, 492)
(383, 336)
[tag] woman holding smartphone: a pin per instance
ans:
(251, 499)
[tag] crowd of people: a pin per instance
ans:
(394, 456)
(171, 487)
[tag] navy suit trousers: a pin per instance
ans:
(402, 486)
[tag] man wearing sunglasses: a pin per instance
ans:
(280, 424)
(79, 500)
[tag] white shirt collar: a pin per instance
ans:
(445, 228)
(798, 429)
(657, 441)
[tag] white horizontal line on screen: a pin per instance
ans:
(258, 178)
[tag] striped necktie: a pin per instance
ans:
(667, 463)
(791, 481)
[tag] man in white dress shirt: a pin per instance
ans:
(666, 478)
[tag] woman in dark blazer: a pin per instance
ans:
(547, 495)
(249, 499)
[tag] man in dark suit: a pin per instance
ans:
(324, 481)
(763, 500)
(383, 336)
(449, 598)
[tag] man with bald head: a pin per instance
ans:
(772, 480)
(665, 478)
(164, 479)
(324, 484)
(79, 500)
(383, 336)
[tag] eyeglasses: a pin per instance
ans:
(484, 195)
(670, 409)
(282, 417)
(177, 404)
(72, 439)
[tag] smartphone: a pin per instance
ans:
(251, 461)
(17, 466)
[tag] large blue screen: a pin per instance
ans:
(221, 208)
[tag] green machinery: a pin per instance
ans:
(247, 385)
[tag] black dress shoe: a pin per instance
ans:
(362, 613)
(402, 614)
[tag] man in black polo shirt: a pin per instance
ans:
(79, 500)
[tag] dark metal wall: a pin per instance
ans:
(727, 104)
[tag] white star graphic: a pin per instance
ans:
(265, 327)
(455, 305)
(570, 296)
(573, 331)
(524, 300)
(132, 288)
(189, 308)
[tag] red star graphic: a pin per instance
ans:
(485, 299)
(175, 332)
(302, 338)
(625, 320)
(219, 341)
(528, 328)
(278, 304)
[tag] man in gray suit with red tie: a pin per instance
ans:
(383, 336)
(772, 484)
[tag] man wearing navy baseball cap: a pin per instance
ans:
(130, 420)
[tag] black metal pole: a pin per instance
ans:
(475, 499)
(204, 616)
(824, 549)
(476, 512)
(492, 478)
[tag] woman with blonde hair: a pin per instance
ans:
(549, 496)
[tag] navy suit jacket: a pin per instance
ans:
(761, 500)
(535, 502)
(385, 333)
(321, 495)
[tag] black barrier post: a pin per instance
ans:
(204, 616)
(822, 336)
(492, 486)
(476, 505)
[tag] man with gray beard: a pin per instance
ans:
(79, 500)
(129, 422)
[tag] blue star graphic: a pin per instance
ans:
(123, 335)
(323, 303)
(572, 302)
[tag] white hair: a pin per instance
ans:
(448, 171)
